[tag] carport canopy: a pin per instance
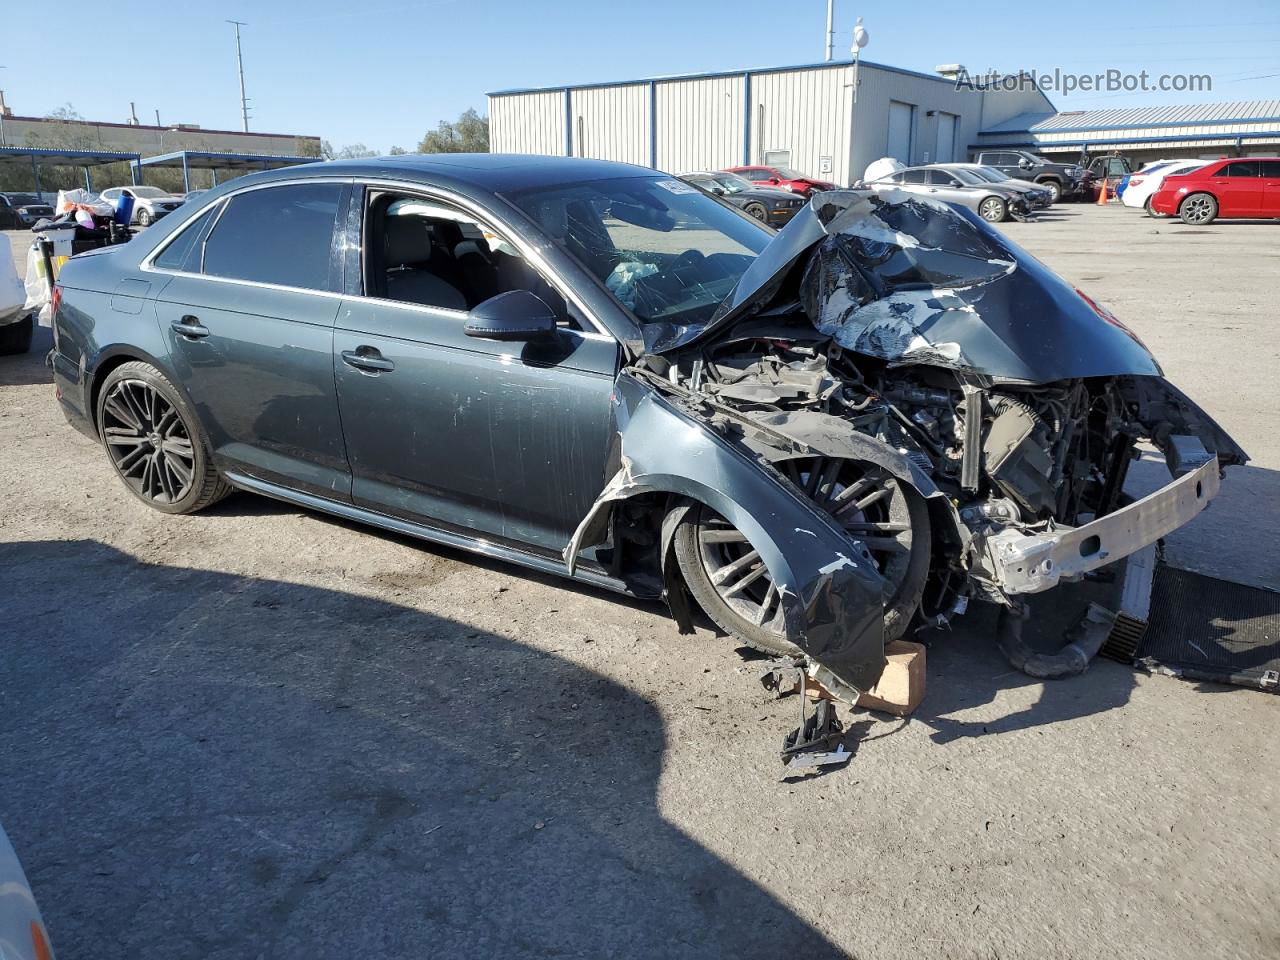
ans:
(87, 159)
(190, 160)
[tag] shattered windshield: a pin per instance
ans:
(665, 250)
(733, 183)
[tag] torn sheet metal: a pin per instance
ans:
(831, 593)
(911, 280)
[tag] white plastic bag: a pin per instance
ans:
(882, 168)
(77, 200)
(12, 294)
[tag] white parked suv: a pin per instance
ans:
(149, 203)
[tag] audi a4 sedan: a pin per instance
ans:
(820, 436)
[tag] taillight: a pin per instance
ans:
(55, 300)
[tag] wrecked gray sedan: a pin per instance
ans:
(822, 438)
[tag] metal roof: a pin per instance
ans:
(1191, 114)
(70, 158)
(206, 160)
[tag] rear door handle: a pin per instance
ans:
(190, 327)
(367, 358)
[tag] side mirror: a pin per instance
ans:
(1024, 163)
(514, 315)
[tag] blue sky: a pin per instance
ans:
(382, 72)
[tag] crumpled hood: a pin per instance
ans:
(912, 280)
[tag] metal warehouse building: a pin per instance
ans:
(1205, 130)
(804, 116)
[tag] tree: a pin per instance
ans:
(470, 134)
(398, 151)
(352, 151)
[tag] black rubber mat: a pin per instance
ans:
(1203, 628)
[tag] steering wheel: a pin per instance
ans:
(687, 259)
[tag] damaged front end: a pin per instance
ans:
(896, 410)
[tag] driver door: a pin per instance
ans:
(493, 439)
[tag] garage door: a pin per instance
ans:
(902, 125)
(945, 149)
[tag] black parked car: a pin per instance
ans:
(771, 205)
(1060, 179)
(19, 211)
(592, 369)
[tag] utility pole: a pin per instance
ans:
(2, 109)
(830, 32)
(244, 101)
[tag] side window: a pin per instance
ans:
(1271, 169)
(183, 252)
(1241, 168)
(433, 254)
(915, 176)
(280, 235)
(757, 175)
(941, 178)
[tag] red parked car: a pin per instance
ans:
(1236, 189)
(783, 177)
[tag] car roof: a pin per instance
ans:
(493, 172)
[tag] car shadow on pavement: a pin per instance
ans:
(198, 764)
(966, 670)
(25, 369)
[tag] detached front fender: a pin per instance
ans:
(832, 595)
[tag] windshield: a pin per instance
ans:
(19, 199)
(733, 183)
(966, 176)
(665, 250)
(990, 174)
(148, 192)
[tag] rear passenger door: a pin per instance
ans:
(1239, 186)
(1271, 188)
(494, 440)
(248, 317)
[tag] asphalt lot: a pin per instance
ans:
(258, 732)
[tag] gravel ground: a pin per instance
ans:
(258, 732)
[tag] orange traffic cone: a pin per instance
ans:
(1102, 192)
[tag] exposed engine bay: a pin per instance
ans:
(940, 416)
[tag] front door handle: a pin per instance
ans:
(190, 327)
(367, 358)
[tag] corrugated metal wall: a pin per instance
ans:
(699, 124)
(528, 123)
(611, 123)
(806, 114)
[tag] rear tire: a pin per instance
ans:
(906, 565)
(155, 441)
(15, 338)
(1198, 210)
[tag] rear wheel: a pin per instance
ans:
(1151, 211)
(144, 218)
(1198, 209)
(756, 210)
(155, 442)
(993, 210)
(730, 582)
(16, 337)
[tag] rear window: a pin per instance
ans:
(281, 235)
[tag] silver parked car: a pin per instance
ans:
(149, 203)
(992, 202)
(1038, 196)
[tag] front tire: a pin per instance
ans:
(144, 218)
(15, 338)
(756, 211)
(993, 210)
(1152, 213)
(1054, 188)
(154, 441)
(725, 575)
(1198, 210)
